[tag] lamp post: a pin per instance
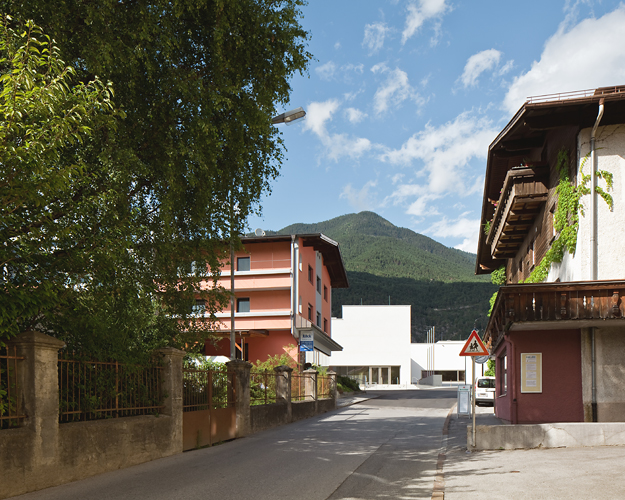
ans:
(286, 117)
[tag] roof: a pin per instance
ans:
(528, 129)
(332, 258)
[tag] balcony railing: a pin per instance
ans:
(522, 197)
(575, 301)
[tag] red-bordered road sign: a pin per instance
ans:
(474, 346)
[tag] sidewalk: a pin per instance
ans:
(559, 473)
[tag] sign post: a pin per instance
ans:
(473, 347)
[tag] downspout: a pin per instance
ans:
(593, 249)
(294, 269)
(593, 196)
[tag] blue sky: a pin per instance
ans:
(405, 96)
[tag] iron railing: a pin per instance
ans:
(262, 387)
(93, 390)
(207, 389)
(10, 413)
(298, 386)
(325, 386)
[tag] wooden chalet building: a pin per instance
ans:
(559, 344)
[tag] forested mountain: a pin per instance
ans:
(385, 262)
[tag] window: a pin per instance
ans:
(325, 325)
(310, 274)
(502, 375)
(243, 263)
(319, 319)
(318, 284)
(325, 293)
(309, 312)
(243, 305)
(199, 307)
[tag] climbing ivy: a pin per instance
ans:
(497, 277)
(566, 216)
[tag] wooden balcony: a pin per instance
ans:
(548, 306)
(522, 197)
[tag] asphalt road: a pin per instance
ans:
(381, 448)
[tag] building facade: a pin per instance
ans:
(377, 350)
(557, 327)
(283, 292)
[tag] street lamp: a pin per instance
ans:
(289, 116)
(286, 117)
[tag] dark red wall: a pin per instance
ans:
(561, 399)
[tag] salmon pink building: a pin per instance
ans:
(283, 289)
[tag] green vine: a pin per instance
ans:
(487, 228)
(566, 216)
(497, 277)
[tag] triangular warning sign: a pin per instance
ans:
(474, 346)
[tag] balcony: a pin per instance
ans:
(522, 197)
(548, 306)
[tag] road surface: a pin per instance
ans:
(381, 448)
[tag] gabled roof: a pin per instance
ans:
(528, 130)
(329, 248)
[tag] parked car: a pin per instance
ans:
(485, 391)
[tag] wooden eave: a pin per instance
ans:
(549, 306)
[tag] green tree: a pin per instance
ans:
(45, 184)
(198, 82)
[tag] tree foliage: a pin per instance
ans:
(198, 82)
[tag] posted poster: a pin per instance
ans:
(532, 372)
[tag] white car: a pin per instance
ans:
(485, 391)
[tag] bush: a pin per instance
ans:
(346, 384)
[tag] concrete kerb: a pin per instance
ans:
(352, 398)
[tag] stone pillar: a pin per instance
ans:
(172, 389)
(38, 379)
(241, 371)
(334, 393)
(310, 383)
(283, 388)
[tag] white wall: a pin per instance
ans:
(373, 336)
(446, 356)
(610, 144)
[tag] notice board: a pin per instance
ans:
(531, 372)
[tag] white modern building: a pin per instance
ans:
(377, 350)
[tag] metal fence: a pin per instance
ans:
(207, 389)
(93, 390)
(262, 387)
(10, 414)
(325, 385)
(298, 386)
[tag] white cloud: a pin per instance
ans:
(318, 114)
(446, 151)
(395, 90)
(374, 37)
(355, 115)
(588, 55)
(463, 227)
(336, 145)
(326, 71)
(330, 71)
(477, 64)
(362, 199)
(419, 14)
(337, 45)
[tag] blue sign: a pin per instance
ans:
(306, 342)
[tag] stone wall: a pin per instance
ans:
(44, 453)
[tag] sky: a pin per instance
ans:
(404, 97)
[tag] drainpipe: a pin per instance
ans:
(593, 196)
(593, 374)
(593, 248)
